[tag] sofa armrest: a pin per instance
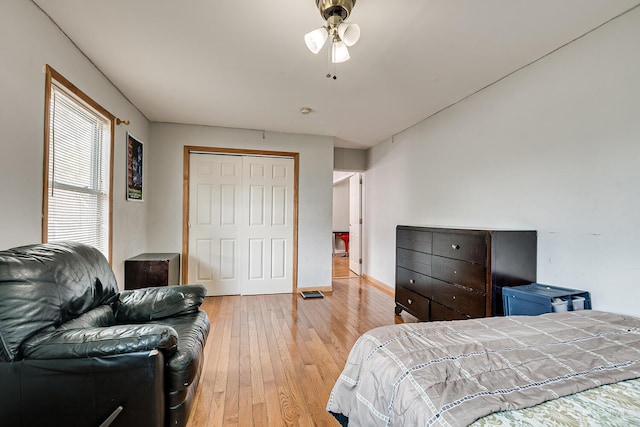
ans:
(98, 342)
(142, 305)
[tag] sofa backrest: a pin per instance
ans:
(45, 285)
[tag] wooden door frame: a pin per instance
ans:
(188, 149)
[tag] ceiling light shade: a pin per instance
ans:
(339, 52)
(316, 39)
(340, 33)
(349, 33)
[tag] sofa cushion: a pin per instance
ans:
(98, 317)
(142, 305)
(45, 285)
(100, 342)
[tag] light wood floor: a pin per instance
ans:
(273, 359)
(341, 267)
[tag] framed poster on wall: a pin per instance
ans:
(134, 168)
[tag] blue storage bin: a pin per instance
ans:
(537, 298)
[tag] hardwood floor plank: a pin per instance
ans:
(220, 383)
(245, 415)
(286, 396)
(274, 415)
(306, 420)
(328, 369)
(211, 351)
(232, 397)
(260, 415)
(313, 388)
(290, 359)
(245, 345)
(272, 360)
(222, 371)
(202, 407)
(341, 267)
(216, 413)
(257, 377)
(269, 364)
(287, 409)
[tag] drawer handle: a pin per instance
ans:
(455, 247)
(412, 281)
(409, 301)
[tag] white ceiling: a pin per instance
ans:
(244, 64)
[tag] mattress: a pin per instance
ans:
(454, 373)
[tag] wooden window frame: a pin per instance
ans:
(51, 76)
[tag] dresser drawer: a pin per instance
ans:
(413, 303)
(464, 273)
(458, 298)
(416, 261)
(415, 240)
(440, 312)
(416, 282)
(466, 247)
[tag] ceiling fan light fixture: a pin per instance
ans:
(339, 52)
(341, 8)
(349, 33)
(342, 34)
(316, 39)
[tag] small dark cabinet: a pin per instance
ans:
(152, 269)
(538, 298)
(447, 274)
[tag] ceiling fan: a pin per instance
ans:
(342, 34)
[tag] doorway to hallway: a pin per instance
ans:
(347, 224)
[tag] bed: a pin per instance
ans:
(518, 370)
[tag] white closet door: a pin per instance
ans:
(267, 225)
(215, 186)
(241, 224)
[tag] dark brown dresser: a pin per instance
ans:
(152, 269)
(447, 274)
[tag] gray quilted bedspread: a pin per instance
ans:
(452, 373)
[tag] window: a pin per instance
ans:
(78, 167)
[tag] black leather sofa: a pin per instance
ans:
(74, 351)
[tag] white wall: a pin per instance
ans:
(315, 188)
(554, 147)
(28, 41)
(340, 175)
(348, 159)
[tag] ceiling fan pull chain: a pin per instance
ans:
(330, 63)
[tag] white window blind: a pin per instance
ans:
(79, 172)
